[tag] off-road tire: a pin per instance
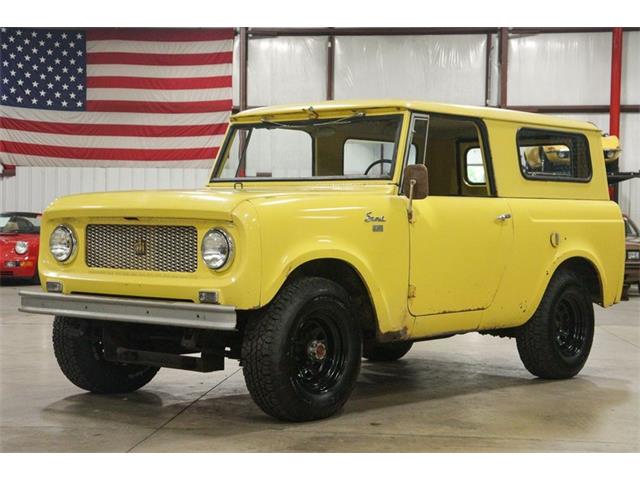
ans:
(78, 351)
(270, 351)
(386, 352)
(541, 349)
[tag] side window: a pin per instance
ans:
(549, 155)
(413, 154)
(455, 157)
(474, 167)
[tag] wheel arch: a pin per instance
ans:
(587, 270)
(374, 309)
(348, 277)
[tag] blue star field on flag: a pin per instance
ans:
(43, 69)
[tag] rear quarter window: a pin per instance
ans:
(553, 155)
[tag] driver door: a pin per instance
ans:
(459, 237)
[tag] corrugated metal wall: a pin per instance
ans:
(33, 188)
(543, 69)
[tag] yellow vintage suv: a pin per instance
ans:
(335, 231)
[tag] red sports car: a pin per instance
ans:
(19, 243)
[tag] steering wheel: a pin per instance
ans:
(377, 162)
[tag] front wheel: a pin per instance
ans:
(555, 343)
(301, 357)
(79, 351)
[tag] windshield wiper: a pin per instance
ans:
(332, 121)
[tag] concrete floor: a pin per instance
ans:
(468, 393)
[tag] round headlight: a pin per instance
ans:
(21, 247)
(62, 243)
(217, 248)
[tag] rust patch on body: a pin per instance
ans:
(393, 335)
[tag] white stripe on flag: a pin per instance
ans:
(155, 71)
(95, 141)
(108, 118)
(141, 95)
(128, 46)
(31, 160)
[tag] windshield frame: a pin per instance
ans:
(348, 115)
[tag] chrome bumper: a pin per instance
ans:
(118, 309)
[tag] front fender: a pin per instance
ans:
(381, 258)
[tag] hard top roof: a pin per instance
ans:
(329, 107)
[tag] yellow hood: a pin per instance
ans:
(204, 203)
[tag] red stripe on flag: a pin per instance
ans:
(163, 59)
(113, 130)
(159, 83)
(158, 107)
(160, 34)
(116, 154)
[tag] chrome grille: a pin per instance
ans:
(143, 247)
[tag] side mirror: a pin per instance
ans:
(416, 182)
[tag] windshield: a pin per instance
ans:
(19, 223)
(352, 147)
(630, 228)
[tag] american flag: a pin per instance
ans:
(105, 97)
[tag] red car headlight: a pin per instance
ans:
(21, 247)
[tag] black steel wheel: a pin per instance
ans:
(570, 326)
(317, 354)
(555, 343)
(301, 355)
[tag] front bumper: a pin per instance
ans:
(131, 310)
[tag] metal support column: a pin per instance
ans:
(504, 66)
(614, 104)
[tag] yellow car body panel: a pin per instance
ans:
(302, 228)
(456, 268)
(203, 209)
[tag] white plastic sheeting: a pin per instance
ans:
(629, 192)
(287, 70)
(631, 68)
(600, 120)
(443, 68)
(493, 88)
(560, 69)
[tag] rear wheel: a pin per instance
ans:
(301, 357)
(555, 343)
(386, 352)
(78, 348)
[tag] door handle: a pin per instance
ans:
(503, 217)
